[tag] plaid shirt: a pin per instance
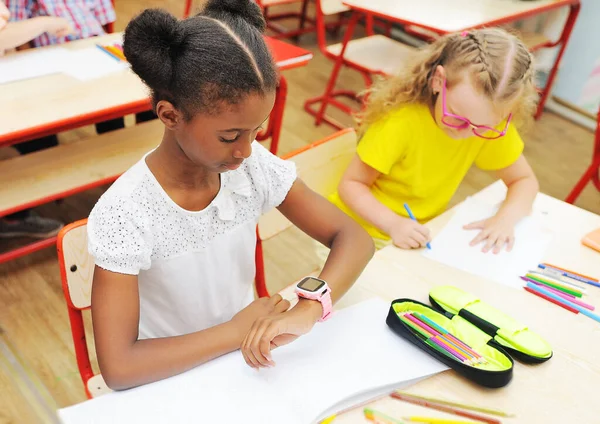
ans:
(86, 16)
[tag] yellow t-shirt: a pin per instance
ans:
(421, 165)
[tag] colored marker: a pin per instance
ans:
(410, 214)
(571, 274)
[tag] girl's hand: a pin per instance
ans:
(496, 232)
(58, 27)
(409, 234)
(277, 330)
(260, 308)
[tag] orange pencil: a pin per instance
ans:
(116, 52)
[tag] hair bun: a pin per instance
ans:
(153, 37)
(247, 10)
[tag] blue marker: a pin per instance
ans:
(410, 214)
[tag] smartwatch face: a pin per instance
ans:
(310, 284)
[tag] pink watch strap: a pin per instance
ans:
(327, 305)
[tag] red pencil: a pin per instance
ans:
(549, 299)
(444, 408)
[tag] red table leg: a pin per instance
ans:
(564, 38)
(336, 69)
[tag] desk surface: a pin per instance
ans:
(562, 390)
(58, 102)
(454, 15)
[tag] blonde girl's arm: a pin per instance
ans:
(355, 192)
(523, 187)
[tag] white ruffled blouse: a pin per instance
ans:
(195, 268)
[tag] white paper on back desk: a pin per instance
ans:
(352, 356)
(451, 245)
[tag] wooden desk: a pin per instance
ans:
(54, 103)
(562, 390)
(444, 16)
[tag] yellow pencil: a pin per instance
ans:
(460, 405)
(328, 419)
(434, 420)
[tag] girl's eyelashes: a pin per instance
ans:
(229, 140)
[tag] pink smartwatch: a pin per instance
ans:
(312, 288)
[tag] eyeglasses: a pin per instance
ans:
(460, 122)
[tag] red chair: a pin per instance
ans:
(374, 54)
(593, 171)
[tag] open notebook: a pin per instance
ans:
(451, 245)
(351, 358)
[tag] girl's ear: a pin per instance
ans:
(437, 80)
(168, 114)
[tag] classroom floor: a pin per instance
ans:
(38, 372)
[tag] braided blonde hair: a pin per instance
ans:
(500, 65)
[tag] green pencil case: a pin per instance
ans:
(521, 343)
(494, 367)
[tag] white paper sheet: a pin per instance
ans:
(451, 246)
(354, 355)
(32, 64)
(91, 63)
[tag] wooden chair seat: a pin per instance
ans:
(377, 53)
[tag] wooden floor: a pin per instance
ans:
(37, 364)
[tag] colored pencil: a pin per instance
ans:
(549, 299)
(570, 298)
(444, 408)
(534, 279)
(460, 405)
(329, 419)
(116, 52)
(430, 339)
(581, 309)
(411, 216)
(435, 420)
(101, 48)
(572, 274)
(559, 278)
(378, 417)
(445, 332)
(437, 341)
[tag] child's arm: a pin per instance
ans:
(127, 362)
(498, 230)
(351, 250)
(354, 190)
(18, 33)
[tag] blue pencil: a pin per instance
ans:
(108, 53)
(410, 214)
(581, 309)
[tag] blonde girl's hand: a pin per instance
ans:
(273, 331)
(58, 27)
(495, 233)
(409, 234)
